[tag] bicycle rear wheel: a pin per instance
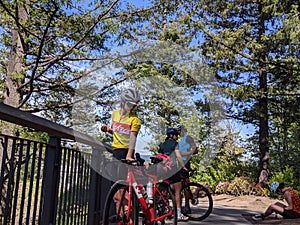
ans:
(197, 202)
(120, 213)
(164, 203)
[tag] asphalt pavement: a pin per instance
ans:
(224, 215)
(227, 215)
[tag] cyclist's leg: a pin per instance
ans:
(187, 196)
(120, 213)
(177, 188)
(165, 204)
(199, 199)
(120, 154)
(176, 182)
(187, 192)
(120, 199)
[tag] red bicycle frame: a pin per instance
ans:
(148, 209)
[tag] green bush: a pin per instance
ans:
(239, 186)
(287, 177)
(213, 175)
(260, 191)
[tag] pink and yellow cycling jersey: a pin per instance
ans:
(295, 200)
(122, 128)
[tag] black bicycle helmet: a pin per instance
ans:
(172, 131)
(130, 95)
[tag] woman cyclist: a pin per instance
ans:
(125, 126)
(170, 148)
(186, 147)
(291, 211)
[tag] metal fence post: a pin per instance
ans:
(50, 181)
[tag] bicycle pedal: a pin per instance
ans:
(194, 201)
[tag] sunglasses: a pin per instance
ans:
(131, 104)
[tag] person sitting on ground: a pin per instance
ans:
(291, 211)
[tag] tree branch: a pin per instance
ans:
(84, 97)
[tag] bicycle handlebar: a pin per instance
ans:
(140, 161)
(155, 160)
(129, 162)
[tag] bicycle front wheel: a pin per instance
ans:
(197, 202)
(120, 209)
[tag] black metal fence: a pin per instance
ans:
(24, 182)
(73, 190)
(48, 183)
(21, 180)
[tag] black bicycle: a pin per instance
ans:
(197, 202)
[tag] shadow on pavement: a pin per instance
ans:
(272, 220)
(238, 216)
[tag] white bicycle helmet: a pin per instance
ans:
(130, 95)
(178, 127)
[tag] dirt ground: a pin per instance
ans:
(255, 204)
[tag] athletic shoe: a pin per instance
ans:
(182, 218)
(258, 217)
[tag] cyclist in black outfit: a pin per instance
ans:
(168, 147)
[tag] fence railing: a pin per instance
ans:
(49, 183)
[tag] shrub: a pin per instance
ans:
(239, 186)
(222, 187)
(261, 191)
(287, 177)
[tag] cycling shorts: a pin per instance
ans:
(120, 153)
(290, 214)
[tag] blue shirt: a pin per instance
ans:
(184, 146)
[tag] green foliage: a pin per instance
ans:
(287, 177)
(227, 164)
(263, 191)
(239, 186)
(253, 49)
(32, 135)
(212, 176)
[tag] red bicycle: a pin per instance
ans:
(139, 205)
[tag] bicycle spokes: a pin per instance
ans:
(196, 201)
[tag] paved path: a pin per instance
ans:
(224, 215)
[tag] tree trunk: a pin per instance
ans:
(15, 71)
(15, 75)
(263, 99)
(263, 128)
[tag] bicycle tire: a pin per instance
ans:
(110, 215)
(164, 200)
(200, 205)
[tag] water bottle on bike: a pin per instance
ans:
(150, 191)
